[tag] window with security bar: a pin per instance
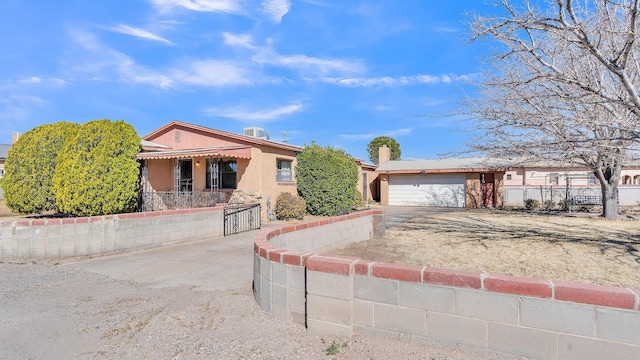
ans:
(283, 171)
(221, 174)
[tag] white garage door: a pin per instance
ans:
(427, 190)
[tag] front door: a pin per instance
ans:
(487, 182)
(186, 175)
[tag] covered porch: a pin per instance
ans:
(179, 179)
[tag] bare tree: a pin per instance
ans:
(564, 86)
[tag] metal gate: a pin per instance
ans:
(241, 218)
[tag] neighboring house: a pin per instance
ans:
(195, 159)
(544, 183)
(465, 182)
(4, 151)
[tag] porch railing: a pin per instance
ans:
(171, 200)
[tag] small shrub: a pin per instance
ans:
(549, 204)
(532, 204)
(289, 206)
(564, 205)
(357, 199)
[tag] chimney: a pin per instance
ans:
(384, 154)
(14, 137)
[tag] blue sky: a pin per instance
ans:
(335, 72)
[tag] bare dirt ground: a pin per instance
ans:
(52, 311)
(584, 249)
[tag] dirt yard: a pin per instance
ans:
(548, 246)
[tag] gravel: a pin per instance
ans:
(50, 311)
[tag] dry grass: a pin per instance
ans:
(554, 247)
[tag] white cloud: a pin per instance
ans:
(17, 108)
(255, 116)
(445, 29)
(383, 108)
(314, 65)
(275, 9)
(357, 136)
(397, 81)
(242, 40)
(222, 6)
(138, 32)
(213, 73)
(31, 80)
(104, 63)
(399, 132)
(370, 136)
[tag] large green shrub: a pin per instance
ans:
(97, 172)
(30, 166)
(326, 179)
(289, 206)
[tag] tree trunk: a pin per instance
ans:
(610, 206)
(609, 176)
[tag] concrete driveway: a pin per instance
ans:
(395, 215)
(215, 264)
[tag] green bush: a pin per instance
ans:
(326, 179)
(289, 206)
(532, 204)
(97, 173)
(30, 167)
(549, 205)
(357, 199)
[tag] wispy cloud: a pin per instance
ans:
(106, 64)
(275, 9)
(31, 80)
(241, 40)
(139, 33)
(398, 80)
(369, 136)
(267, 55)
(222, 6)
(445, 29)
(16, 109)
(245, 114)
(357, 136)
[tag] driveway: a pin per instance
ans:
(395, 215)
(215, 264)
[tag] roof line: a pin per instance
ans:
(245, 138)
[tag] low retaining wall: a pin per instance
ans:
(340, 296)
(56, 238)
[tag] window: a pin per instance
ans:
(283, 171)
(626, 180)
(1, 173)
(554, 178)
(226, 171)
(508, 176)
(636, 179)
(592, 179)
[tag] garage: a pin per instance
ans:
(447, 190)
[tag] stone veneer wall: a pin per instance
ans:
(340, 296)
(56, 238)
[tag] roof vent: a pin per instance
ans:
(256, 132)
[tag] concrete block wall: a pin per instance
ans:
(58, 238)
(537, 318)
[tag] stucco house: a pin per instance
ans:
(548, 182)
(195, 165)
(213, 165)
(4, 151)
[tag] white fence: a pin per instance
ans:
(517, 195)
